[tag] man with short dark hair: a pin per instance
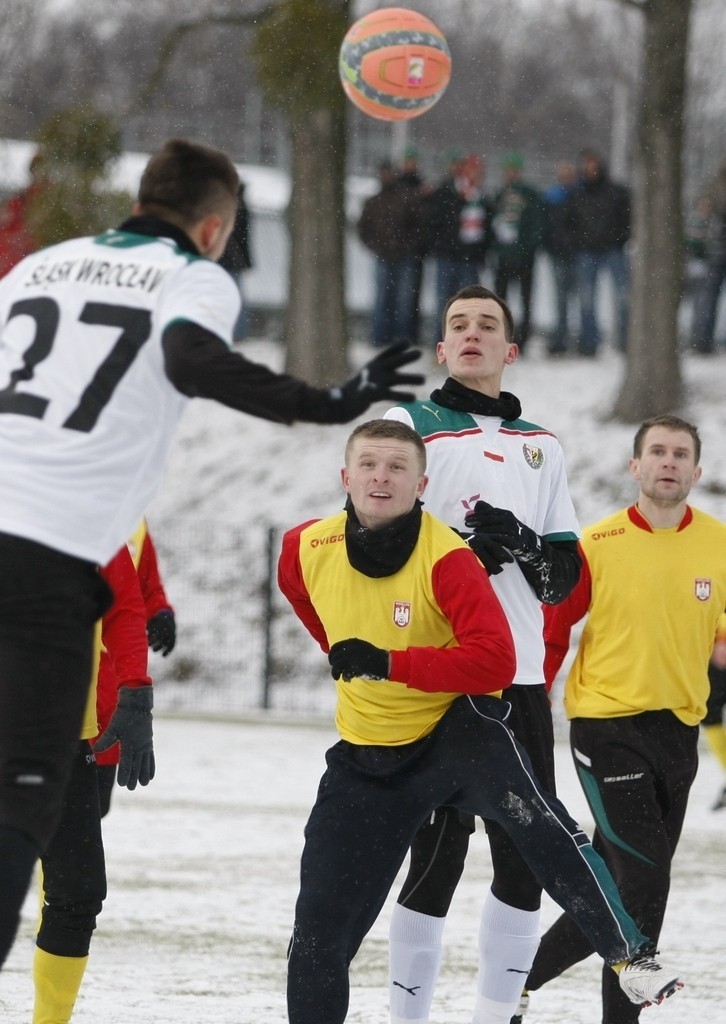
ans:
(653, 588)
(500, 480)
(102, 342)
(598, 224)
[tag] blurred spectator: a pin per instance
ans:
(237, 258)
(475, 219)
(697, 233)
(441, 217)
(410, 173)
(518, 222)
(410, 177)
(708, 291)
(16, 233)
(388, 226)
(558, 244)
(599, 215)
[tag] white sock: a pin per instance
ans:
(508, 941)
(414, 950)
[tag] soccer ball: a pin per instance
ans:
(394, 64)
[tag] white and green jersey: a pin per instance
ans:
(87, 413)
(510, 464)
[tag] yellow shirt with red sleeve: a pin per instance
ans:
(143, 552)
(653, 599)
(123, 659)
(437, 615)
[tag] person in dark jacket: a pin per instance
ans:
(600, 226)
(558, 245)
(519, 222)
(441, 216)
(388, 227)
(411, 178)
(710, 286)
(475, 219)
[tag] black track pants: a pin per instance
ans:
(636, 773)
(439, 849)
(370, 803)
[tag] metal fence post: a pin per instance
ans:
(268, 614)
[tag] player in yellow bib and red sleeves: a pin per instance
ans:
(419, 646)
(158, 626)
(160, 617)
(653, 587)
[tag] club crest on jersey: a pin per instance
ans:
(402, 613)
(534, 457)
(702, 589)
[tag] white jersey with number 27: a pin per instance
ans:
(87, 413)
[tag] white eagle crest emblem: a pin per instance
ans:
(702, 589)
(402, 613)
(533, 456)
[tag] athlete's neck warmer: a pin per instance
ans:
(382, 552)
(146, 224)
(453, 395)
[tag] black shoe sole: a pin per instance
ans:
(665, 992)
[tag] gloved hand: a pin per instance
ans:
(161, 631)
(356, 658)
(490, 553)
(375, 381)
(131, 726)
(500, 526)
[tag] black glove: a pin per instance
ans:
(490, 553)
(131, 726)
(161, 631)
(356, 658)
(502, 527)
(376, 380)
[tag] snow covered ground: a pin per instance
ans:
(202, 870)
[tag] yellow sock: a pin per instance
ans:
(57, 981)
(716, 739)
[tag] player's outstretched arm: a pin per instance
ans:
(201, 365)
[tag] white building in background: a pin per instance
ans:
(267, 195)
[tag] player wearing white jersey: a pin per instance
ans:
(495, 474)
(102, 341)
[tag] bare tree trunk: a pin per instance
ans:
(653, 382)
(315, 328)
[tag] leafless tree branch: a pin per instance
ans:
(176, 37)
